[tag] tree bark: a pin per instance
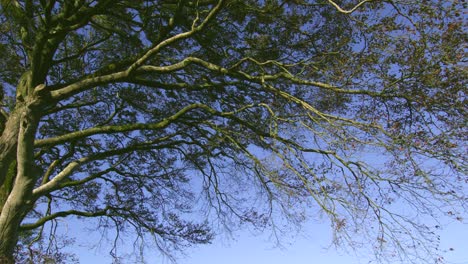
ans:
(8, 141)
(24, 126)
(9, 136)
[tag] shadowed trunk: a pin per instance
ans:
(8, 141)
(18, 177)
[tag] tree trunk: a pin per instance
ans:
(8, 141)
(18, 202)
(9, 136)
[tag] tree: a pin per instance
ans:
(136, 113)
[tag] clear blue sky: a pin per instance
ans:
(311, 246)
(305, 249)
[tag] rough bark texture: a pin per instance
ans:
(8, 141)
(17, 168)
(18, 202)
(8, 203)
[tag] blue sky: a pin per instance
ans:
(310, 246)
(312, 249)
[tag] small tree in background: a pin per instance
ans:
(135, 113)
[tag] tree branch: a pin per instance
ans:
(91, 82)
(349, 11)
(175, 38)
(45, 219)
(55, 182)
(86, 84)
(260, 79)
(115, 129)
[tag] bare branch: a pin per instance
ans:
(178, 37)
(349, 11)
(45, 219)
(115, 129)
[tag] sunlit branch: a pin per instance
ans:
(91, 82)
(74, 165)
(115, 129)
(45, 219)
(349, 11)
(195, 28)
(261, 79)
(82, 181)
